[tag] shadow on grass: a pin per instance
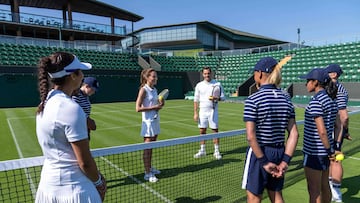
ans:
(203, 200)
(352, 185)
(172, 172)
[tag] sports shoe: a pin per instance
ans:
(154, 171)
(336, 194)
(200, 154)
(150, 177)
(217, 155)
(336, 200)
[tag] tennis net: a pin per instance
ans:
(182, 179)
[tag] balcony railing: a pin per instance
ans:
(48, 21)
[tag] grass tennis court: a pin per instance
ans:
(119, 124)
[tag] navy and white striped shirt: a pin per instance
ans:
(321, 105)
(84, 101)
(342, 97)
(271, 110)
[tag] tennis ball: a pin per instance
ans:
(339, 157)
(160, 98)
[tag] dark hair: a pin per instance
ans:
(206, 68)
(51, 64)
(330, 87)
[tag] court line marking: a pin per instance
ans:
(156, 193)
(27, 174)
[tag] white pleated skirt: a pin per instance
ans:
(76, 193)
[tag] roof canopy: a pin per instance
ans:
(92, 7)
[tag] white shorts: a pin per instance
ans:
(150, 128)
(208, 118)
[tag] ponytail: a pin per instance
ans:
(331, 89)
(50, 64)
(43, 82)
(275, 76)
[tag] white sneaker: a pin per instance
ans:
(150, 177)
(200, 154)
(336, 193)
(154, 171)
(217, 155)
(336, 200)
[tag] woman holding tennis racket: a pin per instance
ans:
(69, 173)
(268, 113)
(148, 104)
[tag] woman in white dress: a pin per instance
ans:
(69, 173)
(148, 103)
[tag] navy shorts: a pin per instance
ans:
(316, 162)
(255, 178)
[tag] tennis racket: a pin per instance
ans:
(215, 94)
(163, 95)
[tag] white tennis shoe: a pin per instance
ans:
(200, 154)
(217, 155)
(151, 177)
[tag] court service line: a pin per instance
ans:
(172, 121)
(162, 197)
(133, 110)
(27, 174)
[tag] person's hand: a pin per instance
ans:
(347, 136)
(271, 168)
(101, 188)
(214, 99)
(161, 102)
(281, 168)
(91, 124)
(333, 156)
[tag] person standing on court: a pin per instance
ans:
(69, 172)
(320, 116)
(89, 86)
(148, 104)
(268, 113)
(206, 110)
(341, 131)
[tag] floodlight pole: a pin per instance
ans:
(298, 32)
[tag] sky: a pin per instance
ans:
(320, 21)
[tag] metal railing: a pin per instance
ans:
(48, 21)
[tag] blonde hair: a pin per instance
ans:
(275, 76)
(144, 75)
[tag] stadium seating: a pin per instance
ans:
(231, 70)
(29, 55)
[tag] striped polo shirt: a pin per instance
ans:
(342, 97)
(271, 110)
(320, 105)
(83, 100)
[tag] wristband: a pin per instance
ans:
(263, 160)
(337, 146)
(286, 158)
(330, 151)
(98, 182)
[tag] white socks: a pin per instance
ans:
(202, 147)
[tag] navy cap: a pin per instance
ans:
(319, 74)
(265, 64)
(92, 82)
(334, 68)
